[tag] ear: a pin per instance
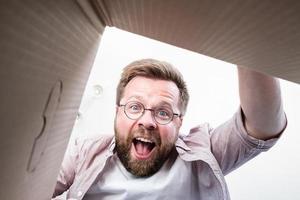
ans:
(117, 109)
(180, 120)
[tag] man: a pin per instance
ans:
(147, 159)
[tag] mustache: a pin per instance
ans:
(152, 135)
(145, 131)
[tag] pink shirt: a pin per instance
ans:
(215, 152)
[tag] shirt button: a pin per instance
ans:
(79, 194)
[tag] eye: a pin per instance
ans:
(134, 107)
(163, 114)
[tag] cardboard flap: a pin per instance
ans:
(262, 35)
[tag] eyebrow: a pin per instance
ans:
(136, 97)
(160, 104)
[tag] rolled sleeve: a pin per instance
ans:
(233, 146)
(262, 145)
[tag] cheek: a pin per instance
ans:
(169, 134)
(122, 125)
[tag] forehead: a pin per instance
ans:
(152, 91)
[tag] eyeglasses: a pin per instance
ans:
(162, 115)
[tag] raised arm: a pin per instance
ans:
(261, 103)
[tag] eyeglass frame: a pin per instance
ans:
(149, 109)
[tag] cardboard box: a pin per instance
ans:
(262, 35)
(48, 48)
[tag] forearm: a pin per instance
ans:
(261, 103)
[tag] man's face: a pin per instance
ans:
(142, 144)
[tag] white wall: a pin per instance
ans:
(214, 98)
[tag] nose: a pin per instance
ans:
(147, 120)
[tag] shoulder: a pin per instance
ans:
(95, 139)
(93, 144)
(199, 131)
(198, 136)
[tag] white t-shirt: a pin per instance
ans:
(173, 181)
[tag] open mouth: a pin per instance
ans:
(143, 147)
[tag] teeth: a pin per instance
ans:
(144, 140)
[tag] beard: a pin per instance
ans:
(149, 166)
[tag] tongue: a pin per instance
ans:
(142, 148)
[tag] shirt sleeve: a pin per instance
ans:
(68, 169)
(232, 146)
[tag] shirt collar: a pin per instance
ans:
(181, 144)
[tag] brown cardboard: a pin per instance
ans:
(262, 35)
(47, 50)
